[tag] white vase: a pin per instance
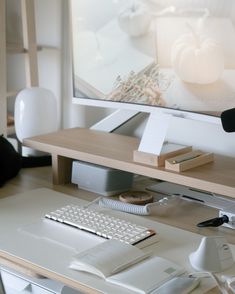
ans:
(35, 114)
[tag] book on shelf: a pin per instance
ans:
(127, 266)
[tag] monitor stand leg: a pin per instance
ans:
(155, 133)
(115, 120)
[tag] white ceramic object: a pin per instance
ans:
(135, 19)
(212, 255)
(35, 113)
(197, 59)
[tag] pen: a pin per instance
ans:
(186, 158)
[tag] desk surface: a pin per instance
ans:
(184, 216)
(22, 211)
(181, 217)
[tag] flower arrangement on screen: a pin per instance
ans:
(146, 87)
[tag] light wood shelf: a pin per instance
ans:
(116, 151)
(11, 130)
(12, 93)
(15, 48)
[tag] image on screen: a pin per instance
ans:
(177, 54)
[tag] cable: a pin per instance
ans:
(213, 276)
(139, 209)
(96, 200)
(229, 282)
(126, 207)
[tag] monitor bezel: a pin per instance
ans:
(147, 109)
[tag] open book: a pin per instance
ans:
(126, 266)
(113, 55)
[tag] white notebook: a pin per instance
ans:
(126, 266)
(147, 275)
(107, 258)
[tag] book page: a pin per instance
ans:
(116, 56)
(147, 275)
(107, 258)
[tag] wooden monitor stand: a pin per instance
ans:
(116, 151)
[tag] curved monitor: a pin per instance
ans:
(176, 56)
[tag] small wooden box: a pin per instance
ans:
(188, 160)
(169, 150)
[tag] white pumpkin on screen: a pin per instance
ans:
(135, 18)
(197, 59)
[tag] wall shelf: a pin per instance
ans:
(11, 130)
(116, 151)
(12, 93)
(15, 48)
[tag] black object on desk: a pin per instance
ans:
(214, 222)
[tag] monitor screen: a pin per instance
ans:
(174, 54)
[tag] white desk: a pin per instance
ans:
(20, 213)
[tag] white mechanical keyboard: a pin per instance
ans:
(101, 224)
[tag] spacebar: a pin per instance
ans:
(148, 241)
(79, 226)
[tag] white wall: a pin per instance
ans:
(207, 136)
